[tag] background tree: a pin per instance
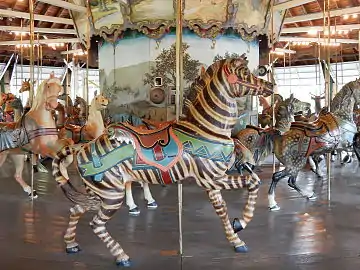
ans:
(226, 56)
(165, 67)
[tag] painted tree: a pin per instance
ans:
(165, 67)
(226, 56)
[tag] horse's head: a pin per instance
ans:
(242, 81)
(17, 104)
(25, 86)
(301, 107)
(47, 94)
(100, 102)
(6, 97)
(284, 112)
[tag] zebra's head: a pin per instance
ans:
(241, 81)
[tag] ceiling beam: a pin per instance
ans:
(38, 30)
(25, 15)
(319, 15)
(290, 4)
(41, 41)
(332, 40)
(290, 30)
(66, 5)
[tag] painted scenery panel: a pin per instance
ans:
(152, 10)
(205, 10)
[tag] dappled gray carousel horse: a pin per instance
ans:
(332, 130)
(198, 146)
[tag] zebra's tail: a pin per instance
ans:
(85, 200)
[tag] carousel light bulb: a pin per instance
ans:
(346, 32)
(326, 32)
(354, 16)
(333, 32)
(346, 16)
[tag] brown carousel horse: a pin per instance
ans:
(83, 109)
(198, 146)
(332, 130)
(72, 112)
(265, 117)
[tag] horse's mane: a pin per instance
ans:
(40, 93)
(344, 93)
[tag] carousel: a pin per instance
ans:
(184, 93)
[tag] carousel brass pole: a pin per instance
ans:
(32, 76)
(272, 79)
(178, 99)
(327, 86)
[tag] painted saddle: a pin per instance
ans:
(158, 147)
(325, 124)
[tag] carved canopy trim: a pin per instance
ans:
(212, 18)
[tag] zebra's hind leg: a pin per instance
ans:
(75, 213)
(107, 210)
(251, 183)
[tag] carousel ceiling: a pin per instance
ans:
(304, 35)
(64, 25)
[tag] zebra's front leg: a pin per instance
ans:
(151, 203)
(251, 183)
(98, 224)
(219, 205)
(69, 238)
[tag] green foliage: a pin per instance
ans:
(226, 56)
(165, 67)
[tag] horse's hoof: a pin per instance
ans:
(152, 205)
(237, 227)
(274, 208)
(241, 249)
(134, 212)
(72, 250)
(124, 263)
(313, 197)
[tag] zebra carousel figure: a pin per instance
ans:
(199, 146)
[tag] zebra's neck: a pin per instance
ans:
(213, 112)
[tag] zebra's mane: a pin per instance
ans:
(198, 85)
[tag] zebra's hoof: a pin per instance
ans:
(241, 249)
(124, 263)
(134, 212)
(237, 227)
(72, 250)
(274, 208)
(152, 205)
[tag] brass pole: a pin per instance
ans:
(178, 99)
(88, 45)
(272, 73)
(32, 75)
(327, 88)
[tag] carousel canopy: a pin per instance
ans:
(155, 18)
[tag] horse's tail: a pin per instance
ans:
(85, 200)
(265, 146)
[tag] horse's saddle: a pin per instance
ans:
(76, 132)
(326, 123)
(157, 147)
(259, 129)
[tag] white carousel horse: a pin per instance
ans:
(36, 131)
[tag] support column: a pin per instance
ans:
(178, 99)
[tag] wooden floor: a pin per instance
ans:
(303, 235)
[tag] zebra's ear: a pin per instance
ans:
(95, 93)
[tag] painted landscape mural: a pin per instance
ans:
(138, 73)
